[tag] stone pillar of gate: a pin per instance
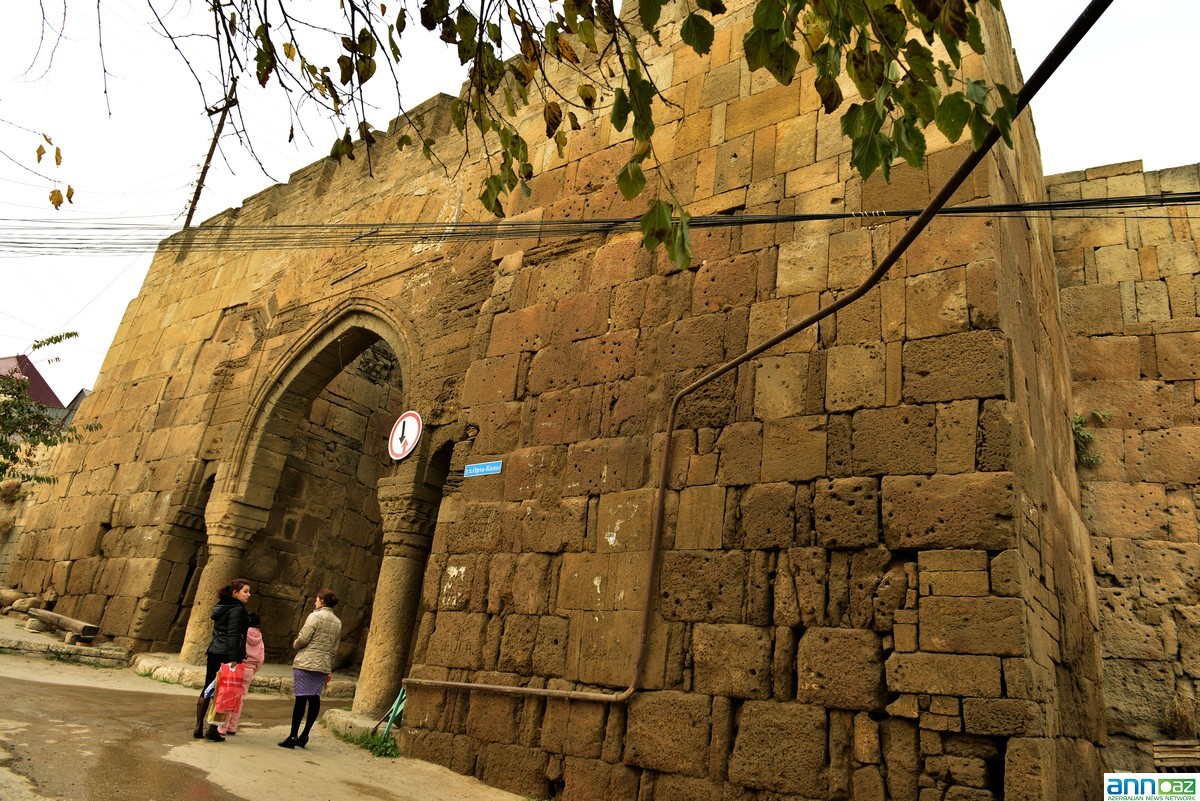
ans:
(229, 536)
(409, 512)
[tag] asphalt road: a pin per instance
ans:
(74, 733)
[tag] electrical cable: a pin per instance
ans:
(42, 237)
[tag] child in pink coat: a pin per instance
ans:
(255, 654)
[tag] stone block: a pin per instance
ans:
(531, 584)
(782, 384)
(1118, 509)
(492, 380)
(574, 727)
(803, 266)
(854, 377)
(1169, 572)
(840, 668)
(741, 452)
(957, 424)
(944, 674)
(1171, 455)
(936, 303)
(958, 583)
(701, 518)
(1178, 356)
(516, 769)
(782, 748)
(668, 732)
(971, 510)
(624, 521)
(846, 512)
(793, 449)
(768, 516)
(701, 586)
(732, 660)
(896, 440)
(492, 717)
(973, 625)
(457, 640)
(550, 647)
(951, 241)
(1091, 310)
(516, 645)
(972, 364)
(1002, 717)
(1105, 358)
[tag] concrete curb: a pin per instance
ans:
(271, 679)
(101, 656)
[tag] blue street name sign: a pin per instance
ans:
(482, 469)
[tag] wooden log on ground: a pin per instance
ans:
(65, 623)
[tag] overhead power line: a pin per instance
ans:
(20, 237)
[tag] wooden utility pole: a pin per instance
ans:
(230, 102)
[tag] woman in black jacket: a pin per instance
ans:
(230, 622)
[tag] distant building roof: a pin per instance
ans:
(39, 390)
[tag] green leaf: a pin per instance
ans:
(830, 92)
(952, 115)
(768, 15)
(697, 32)
(910, 143)
(713, 7)
(656, 224)
(552, 114)
(433, 12)
(641, 95)
(954, 19)
(560, 143)
(631, 180)
(649, 11)
(977, 92)
(975, 35)
(404, 141)
(782, 63)
(264, 55)
(346, 66)
(365, 68)
(679, 241)
(920, 61)
(757, 44)
(980, 127)
(892, 24)
(865, 68)
(620, 109)
(586, 32)
(401, 20)
(587, 93)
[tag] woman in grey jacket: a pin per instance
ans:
(317, 645)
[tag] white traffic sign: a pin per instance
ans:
(404, 436)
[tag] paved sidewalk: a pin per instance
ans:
(246, 767)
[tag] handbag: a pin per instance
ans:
(228, 695)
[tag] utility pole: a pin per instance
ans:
(230, 102)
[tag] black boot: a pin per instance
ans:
(201, 710)
(302, 741)
(213, 734)
(288, 742)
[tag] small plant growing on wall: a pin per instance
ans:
(1085, 438)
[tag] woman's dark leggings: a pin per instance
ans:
(313, 704)
(211, 667)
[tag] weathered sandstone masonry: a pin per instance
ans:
(1129, 308)
(877, 582)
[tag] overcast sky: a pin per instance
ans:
(1127, 93)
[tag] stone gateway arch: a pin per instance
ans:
(883, 575)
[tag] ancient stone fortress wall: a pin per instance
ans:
(1129, 306)
(876, 580)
